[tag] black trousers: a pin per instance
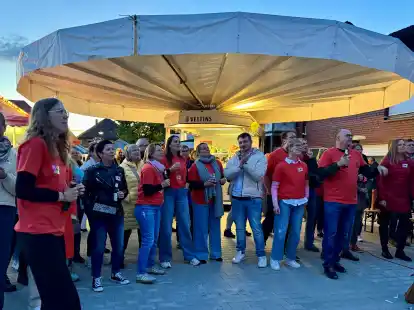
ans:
(46, 258)
(127, 235)
(387, 228)
(321, 215)
(268, 222)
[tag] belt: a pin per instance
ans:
(244, 198)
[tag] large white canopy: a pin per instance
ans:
(276, 68)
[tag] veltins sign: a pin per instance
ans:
(198, 119)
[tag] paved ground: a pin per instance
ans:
(370, 284)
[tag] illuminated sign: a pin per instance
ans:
(198, 120)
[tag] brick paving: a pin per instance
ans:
(372, 283)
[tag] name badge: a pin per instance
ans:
(118, 178)
(405, 165)
(56, 169)
(300, 169)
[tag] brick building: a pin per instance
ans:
(379, 127)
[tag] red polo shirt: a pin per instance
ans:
(51, 173)
(292, 178)
(178, 178)
(275, 158)
(197, 195)
(342, 186)
(151, 176)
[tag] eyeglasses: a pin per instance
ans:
(62, 112)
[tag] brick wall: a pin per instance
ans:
(372, 125)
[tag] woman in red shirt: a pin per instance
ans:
(206, 178)
(148, 212)
(44, 192)
(395, 194)
(175, 202)
(290, 192)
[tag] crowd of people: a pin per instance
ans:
(143, 187)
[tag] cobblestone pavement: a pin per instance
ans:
(372, 283)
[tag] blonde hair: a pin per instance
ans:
(150, 150)
(393, 151)
(40, 126)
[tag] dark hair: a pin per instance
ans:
(2, 119)
(244, 135)
(92, 147)
(284, 134)
(168, 153)
(198, 148)
(101, 145)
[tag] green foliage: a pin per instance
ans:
(132, 131)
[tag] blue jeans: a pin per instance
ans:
(175, 200)
(7, 221)
(252, 210)
(114, 227)
(338, 222)
(149, 218)
(290, 216)
(207, 228)
(313, 209)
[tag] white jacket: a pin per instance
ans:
(253, 173)
(8, 185)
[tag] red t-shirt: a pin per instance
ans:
(397, 187)
(342, 186)
(51, 173)
(197, 195)
(178, 178)
(292, 178)
(275, 158)
(151, 176)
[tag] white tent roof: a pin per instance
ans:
(276, 68)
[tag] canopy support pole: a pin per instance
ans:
(182, 81)
(135, 28)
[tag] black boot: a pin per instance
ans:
(350, 256)
(386, 253)
(400, 254)
(330, 273)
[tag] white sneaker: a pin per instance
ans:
(274, 264)
(166, 265)
(156, 271)
(360, 239)
(262, 262)
(292, 263)
(194, 262)
(145, 279)
(118, 278)
(239, 257)
(97, 285)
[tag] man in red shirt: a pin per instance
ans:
(274, 158)
(340, 197)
